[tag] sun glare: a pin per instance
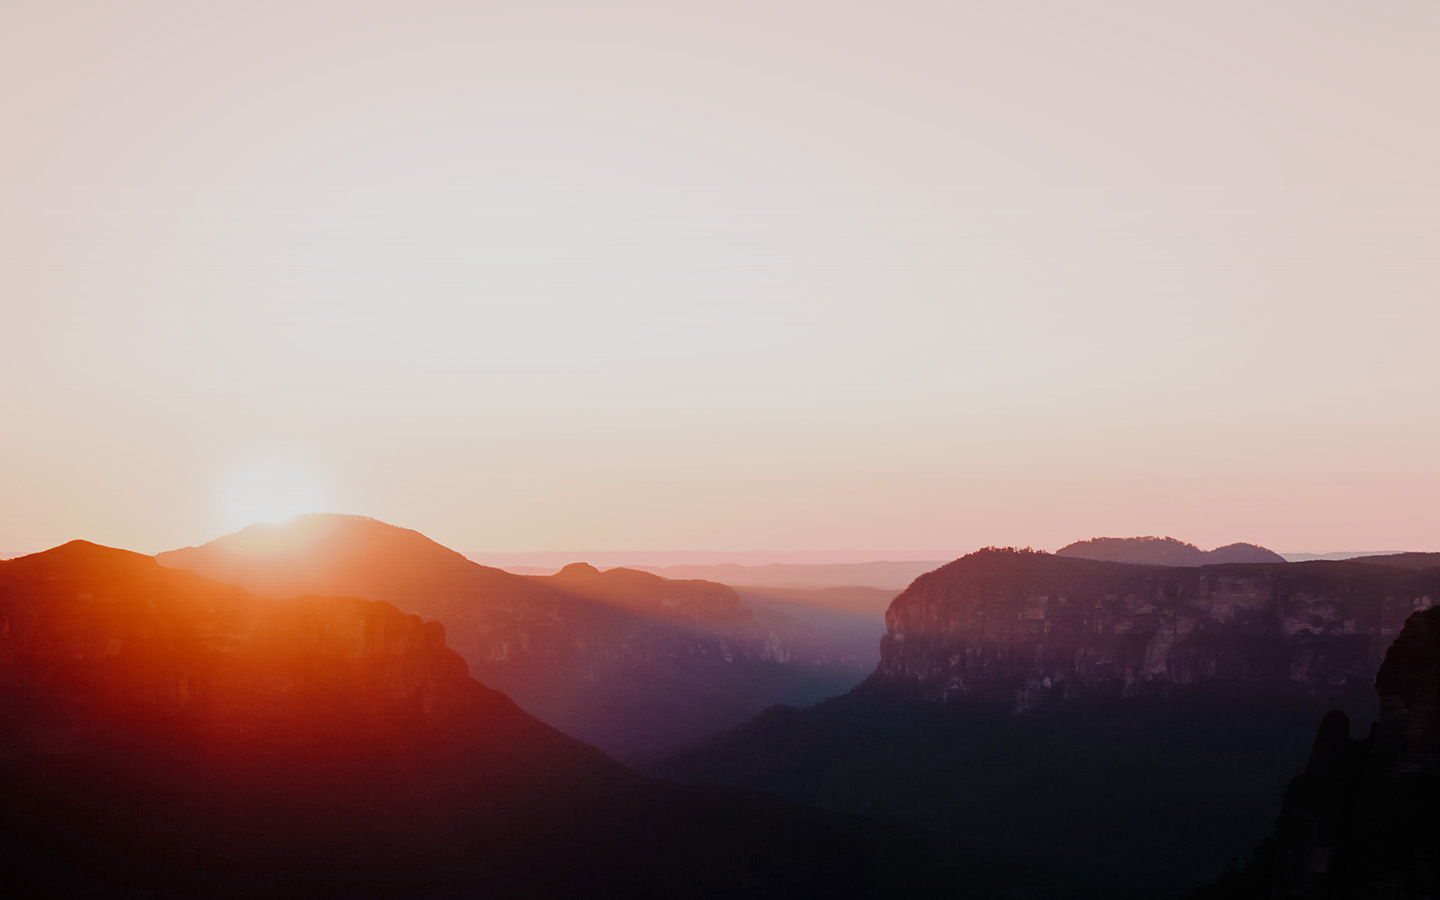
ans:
(269, 492)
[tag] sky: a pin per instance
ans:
(781, 276)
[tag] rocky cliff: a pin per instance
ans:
(1165, 710)
(1029, 626)
(1361, 820)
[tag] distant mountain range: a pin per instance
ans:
(886, 575)
(165, 735)
(881, 575)
(1337, 555)
(553, 560)
(630, 662)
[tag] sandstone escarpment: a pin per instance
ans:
(1024, 626)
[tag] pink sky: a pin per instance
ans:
(780, 276)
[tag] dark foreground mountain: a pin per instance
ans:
(1363, 819)
(1092, 729)
(166, 735)
(632, 663)
(1166, 551)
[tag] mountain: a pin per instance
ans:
(1336, 555)
(1021, 625)
(1360, 821)
(1167, 551)
(1083, 728)
(650, 595)
(167, 735)
(1418, 562)
(632, 663)
(886, 575)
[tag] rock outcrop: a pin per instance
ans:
(1028, 626)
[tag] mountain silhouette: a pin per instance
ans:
(1167, 551)
(651, 595)
(632, 663)
(167, 735)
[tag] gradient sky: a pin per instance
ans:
(792, 276)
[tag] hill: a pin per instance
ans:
(1167, 551)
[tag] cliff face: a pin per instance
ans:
(1361, 820)
(1027, 626)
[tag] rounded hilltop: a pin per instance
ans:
(1165, 551)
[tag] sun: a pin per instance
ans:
(268, 492)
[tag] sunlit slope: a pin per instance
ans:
(167, 735)
(635, 664)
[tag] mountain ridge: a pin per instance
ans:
(169, 735)
(630, 662)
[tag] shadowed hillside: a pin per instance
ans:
(1074, 728)
(1361, 821)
